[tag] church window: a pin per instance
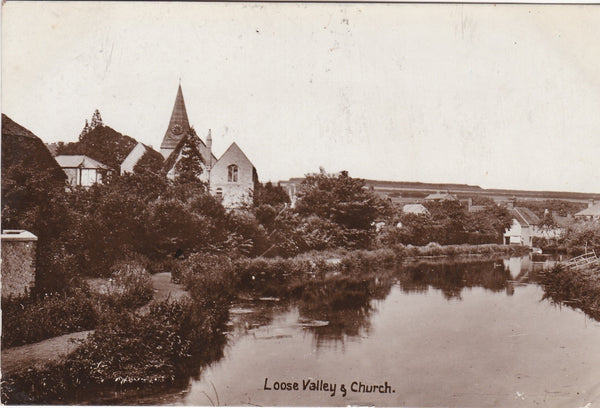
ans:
(232, 173)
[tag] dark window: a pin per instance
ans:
(232, 173)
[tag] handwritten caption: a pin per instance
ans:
(310, 384)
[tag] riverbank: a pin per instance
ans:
(579, 288)
(179, 334)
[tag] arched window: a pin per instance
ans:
(219, 193)
(232, 173)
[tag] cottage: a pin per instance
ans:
(441, 197)
(592, 212)
(82, 170)
(524, 227)
(231, 177)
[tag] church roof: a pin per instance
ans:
(179, 124)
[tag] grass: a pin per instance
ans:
(576, 287)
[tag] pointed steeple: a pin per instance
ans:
(178, 125)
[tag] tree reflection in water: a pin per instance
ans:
(452, 278)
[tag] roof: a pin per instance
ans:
(477, 208)
(415, 209)
(592, 211)
(178, 118)
(17, 235)
(441, 197)
(68, 161)
(21, 147)
(524, 216)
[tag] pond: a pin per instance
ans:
(449, 334)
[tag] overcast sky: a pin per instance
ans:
(499, 96)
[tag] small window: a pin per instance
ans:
(232, 173)
(219, 193)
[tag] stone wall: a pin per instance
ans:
(18, 262)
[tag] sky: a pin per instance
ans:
(501, 96)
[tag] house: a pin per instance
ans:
(441, 197)
(417, 209)
(82, 170)
(592, 212)
(231, 177)
(524, 226)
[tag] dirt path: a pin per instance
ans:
(53, 349)
(30, 355)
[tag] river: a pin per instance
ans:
(450, 334)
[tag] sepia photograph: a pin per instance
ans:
(300, 204)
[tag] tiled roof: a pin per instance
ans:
(67, 161)
(525, 216)
(178, 118)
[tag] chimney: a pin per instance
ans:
(209, 146)
(590, 203)
(511, 202)
(470, 203)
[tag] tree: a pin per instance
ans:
(96, 120)
(190, 166)
(270, 194)
(343, 200)
(86, 129)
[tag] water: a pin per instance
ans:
(474, 334)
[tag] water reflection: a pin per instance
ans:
(452, 278)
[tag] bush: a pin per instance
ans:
(131, 285)
(29, 320)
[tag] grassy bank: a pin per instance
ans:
(576, 287)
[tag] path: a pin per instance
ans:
(53, 349)
(30, 355)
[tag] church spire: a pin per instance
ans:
(178, 125)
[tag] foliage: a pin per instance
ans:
(150, 162)
(101, 143)
(579, 287)
(344, 201)
(29, 320)
(268, 194)
(190, 166)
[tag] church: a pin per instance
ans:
(231, 177)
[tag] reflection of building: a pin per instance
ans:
(82, 170)
(231, 177)
(590, 213)
(18, 262)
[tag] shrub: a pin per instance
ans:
(29, 320)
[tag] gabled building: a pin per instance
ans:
(592, 212)
(439, 196)
(231, 177)
(524, 227)
(82, 170)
